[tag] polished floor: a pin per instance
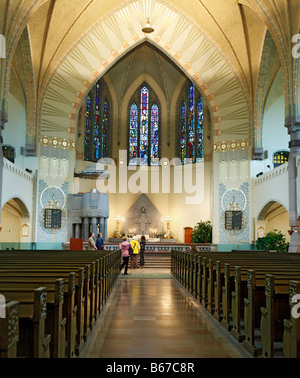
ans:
(153, 318)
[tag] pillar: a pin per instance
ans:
(104, 235)
(85, 229)
(77, 231)
(293, 125)
(102, 226)
(94, 226)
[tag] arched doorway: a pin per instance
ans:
(15, 224)
(274, 216)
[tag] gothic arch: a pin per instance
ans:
(107, 42)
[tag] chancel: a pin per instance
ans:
(170, 125)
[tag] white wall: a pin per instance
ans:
(274, 135)
(14, 133)
(272, 186)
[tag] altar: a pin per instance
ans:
(143, 218)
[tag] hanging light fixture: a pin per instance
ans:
(147, 28)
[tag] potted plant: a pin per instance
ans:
(202, 233)
(274, 240)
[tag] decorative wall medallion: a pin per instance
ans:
(233, 145)
(223, 146)
(234, 195)
(53, 193)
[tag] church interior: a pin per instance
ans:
(152, 117)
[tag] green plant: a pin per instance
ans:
(274, 240)
(202, 232)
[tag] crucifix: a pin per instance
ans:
(143, 220)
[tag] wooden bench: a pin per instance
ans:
(9, 331)
(291, 333)
(61, 314)
(81, 285)
(55, 323)
(33, 340)
(92, 286)
(224, 283)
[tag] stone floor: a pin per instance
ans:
(153, 318)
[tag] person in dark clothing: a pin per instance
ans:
(99, 242)
(142, 251)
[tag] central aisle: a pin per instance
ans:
(153, 318)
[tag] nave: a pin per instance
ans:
(149, 315)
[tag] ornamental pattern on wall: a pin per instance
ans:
(48, 235)
(241, 197)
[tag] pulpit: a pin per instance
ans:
(76, 244)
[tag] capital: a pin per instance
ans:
(293, 124)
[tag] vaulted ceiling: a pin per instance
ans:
(218, 42)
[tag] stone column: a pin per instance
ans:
(293, 125)
(85, 229)
(102, 226)
(77, 231)
(104, 235)
(94, 226)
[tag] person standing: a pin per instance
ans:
(142, 251)
(99, 242)
(124, 247)
(136, 250)
(91, 242)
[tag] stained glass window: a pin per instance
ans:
(144, 129)
(96, 125)
(154, 133)
(191, 126)
(133, 134)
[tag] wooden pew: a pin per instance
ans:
(235, 282)
(291, 333)
(273, 314)
(61, 315)
(110, 263)
(33, 341)
(76, 311)
(9, 331)
(55, 323)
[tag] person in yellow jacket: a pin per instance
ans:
(136, 250)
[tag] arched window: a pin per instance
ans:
(280, 157)
(144, 115)
(191, 126)
(97, 121)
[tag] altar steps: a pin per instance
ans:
(157, 260)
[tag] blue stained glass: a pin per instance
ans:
(200, 119)
(96, 125)
(88, 127)
(191, 127)
(96, 143)
(191, 124)
(144, 126)
(105, 129)
(144, 130)
(154, 134)
(133, 134)
(182, 131)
